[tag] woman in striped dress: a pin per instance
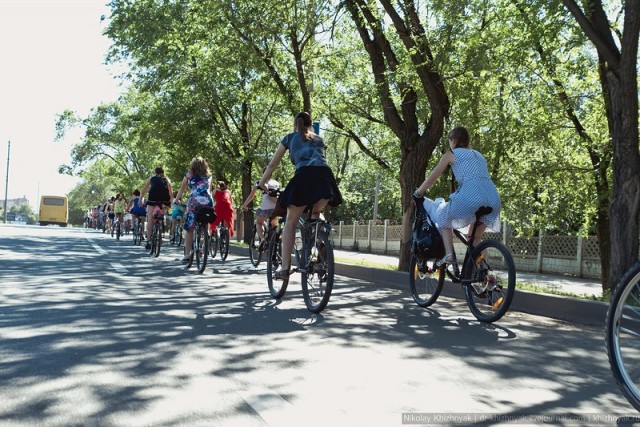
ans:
(475, 189)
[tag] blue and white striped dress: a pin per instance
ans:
(475, 189)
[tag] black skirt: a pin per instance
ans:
(310, 184)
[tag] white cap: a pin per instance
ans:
(273, 184)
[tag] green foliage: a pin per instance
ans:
(25, 210)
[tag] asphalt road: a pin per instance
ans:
(94, 331)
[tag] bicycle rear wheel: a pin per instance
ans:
(213, 243)
(426, 281)
(118, 231)
(317, 275)
(489, 277)
(277, 288)
(202, 247)
(224, 243)
(136, 234)
(622, 335)
(177, 238)
(255, 251)
(157, 239)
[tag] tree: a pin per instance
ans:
(619, 80)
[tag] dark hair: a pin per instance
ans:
(304, 125)
(136, 192)
(159, 171)
(460, 135)
(222, 185)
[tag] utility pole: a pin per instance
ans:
(6, 182)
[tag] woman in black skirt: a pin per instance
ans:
(312, 186)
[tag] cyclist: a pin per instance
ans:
(312, 185)
(267, 205)
(110, 214)
(476, 189)
(223, 207)
(159, 188)
(118, 210)
(198, 179)
(136, 208)
(177, 212)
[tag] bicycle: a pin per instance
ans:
(622, 335)
(116, 228)
(219, 241)
(314, 259)
(157, 229)
(138, 232)
(488, 275)
(257, 246)
(200, 244)
(177, 236)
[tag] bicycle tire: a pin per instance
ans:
(202, 247)
(255, 254)
(277, 288)
(224, 243)
(426, 282)
(622, 332)
(213, 244)
(136, 236)
(112, 230)
(156, 237)
(118, 231)
(317, 274)
(489, 286)
(177, 238)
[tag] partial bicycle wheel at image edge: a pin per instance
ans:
(622, 335)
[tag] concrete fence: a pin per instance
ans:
(574, 255)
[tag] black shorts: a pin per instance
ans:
(160, 203)
(112, 215)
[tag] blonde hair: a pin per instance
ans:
(199, 167)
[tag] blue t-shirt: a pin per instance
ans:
(305, 153)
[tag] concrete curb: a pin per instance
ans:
(569, 309)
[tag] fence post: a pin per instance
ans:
(384, 237)
(369, 228)
(579, 256)
(539, 257)
(355, 242)
(505, 232)
(340, 234)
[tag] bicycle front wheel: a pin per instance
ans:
(317, 275)
(489, 278)
(277, 288)
(622, 335)
(202, 247)
(224, 243)
(426, 281)
(255, 251)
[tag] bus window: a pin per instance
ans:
(54, 210)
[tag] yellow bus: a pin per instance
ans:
(53, 210)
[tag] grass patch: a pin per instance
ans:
(544, 290)
(364, 263)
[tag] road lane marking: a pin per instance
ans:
(97, 248)
(272, 407)
(119, 267)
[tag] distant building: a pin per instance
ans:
(14, 202)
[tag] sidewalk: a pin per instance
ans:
(574, 285)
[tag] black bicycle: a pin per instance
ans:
(314, 259)
(488, 275)
(157, 229)
(622, 335)
(138, 232)
(200, 244)
(257, 246)
(219, 241)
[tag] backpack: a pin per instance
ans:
(426, 241)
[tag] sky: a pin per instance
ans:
(52, 59)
